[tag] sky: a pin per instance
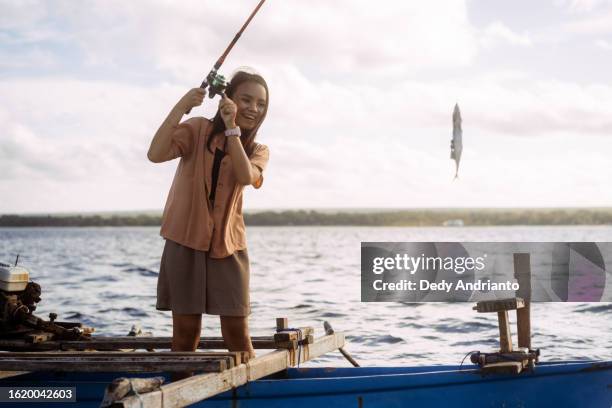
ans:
(361, 98)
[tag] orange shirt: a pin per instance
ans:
(189, 217)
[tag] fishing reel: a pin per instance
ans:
(215, 82)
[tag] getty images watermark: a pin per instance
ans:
(475, 271)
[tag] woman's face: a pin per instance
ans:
(250, 98)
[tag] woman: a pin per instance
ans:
(205, 266)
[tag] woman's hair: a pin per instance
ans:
(248, 136)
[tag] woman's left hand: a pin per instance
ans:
(228, 110)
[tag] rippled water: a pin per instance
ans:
(106, 278)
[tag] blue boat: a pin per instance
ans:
(559, 384)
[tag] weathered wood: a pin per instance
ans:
(488, 306)
(509, 367)
(268, 364)
(197, 388)
(282, 323)
(490, 358)
(282, 345)
(114, 343)
(293, 334)
(522, 273)
(21, 344)
(38, 337)
(324, 345)
(505, 337)
(112, 364)
(236, 356)
(130, 342)
(120, 387)
(523, 321)
(7, 374)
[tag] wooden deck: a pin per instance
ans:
(218, 371)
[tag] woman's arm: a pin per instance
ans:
(245, 172)
(162, 141)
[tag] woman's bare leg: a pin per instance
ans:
(186, 330)
(235, 331)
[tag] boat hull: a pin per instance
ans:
(563, 384)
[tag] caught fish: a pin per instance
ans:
(456, 142)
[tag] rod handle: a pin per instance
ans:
(203, 85)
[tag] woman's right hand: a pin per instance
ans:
(194, 97)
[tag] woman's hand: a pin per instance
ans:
(194, 97)
(228, 110)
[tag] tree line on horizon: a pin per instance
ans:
(399, 218)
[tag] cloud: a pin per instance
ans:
(593, 25)
(360, 115)
(589, 17)
(585, 6)
(26, 13)
(332, 38)
(497, 33)
(603, 44)
(32, 58)
(80, 132)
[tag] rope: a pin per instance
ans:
(300, 341)
(464, 357)
(133, 390)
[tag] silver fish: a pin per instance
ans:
(456, 142)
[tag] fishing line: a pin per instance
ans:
(215, 81)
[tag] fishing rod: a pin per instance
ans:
(215, 81)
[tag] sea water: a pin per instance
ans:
(106, 278)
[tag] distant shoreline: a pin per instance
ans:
(399, 218)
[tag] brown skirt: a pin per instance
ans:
(190, 282)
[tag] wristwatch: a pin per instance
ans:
(233, 132)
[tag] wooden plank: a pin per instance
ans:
(7, 374)
(105, 365)
(89, 356)
(268, 364)
(197, 388)
(119, 343)
(523, 322)
(505, 357)
(509, 367)
(324, 345)
(282, 323)
(20, 344)
(115, 343)
(522, 273)
(505, 337)
(488, 306)
(293, 335)
(235, 356)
